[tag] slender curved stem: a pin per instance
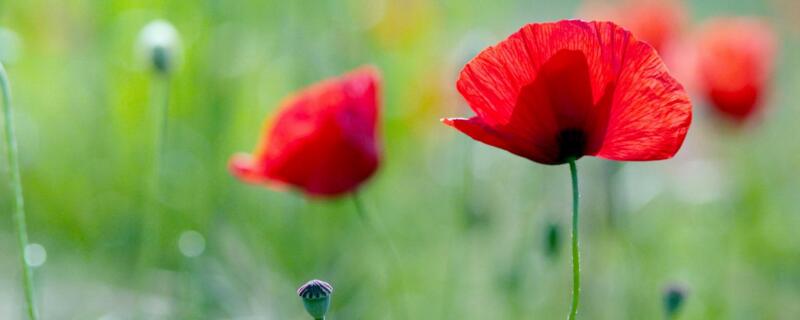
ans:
(19, 203)
(576, 255)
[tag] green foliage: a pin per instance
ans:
(467, 220)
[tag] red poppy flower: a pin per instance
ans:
(324, 138)
(735, 61)
(554, 91)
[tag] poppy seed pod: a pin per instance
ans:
(159, 46)
(316, 296)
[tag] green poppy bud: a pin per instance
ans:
(553, 240)
(674, 295)
(316, 296)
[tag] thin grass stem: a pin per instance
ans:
(383, 235)
(151, 224)
(18, 200)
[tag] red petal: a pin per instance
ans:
(480, 131)
(559, 99)
(650, 112)
(242, 166)
(491, 83)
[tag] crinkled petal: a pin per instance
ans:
(650, 111)
(491, 83)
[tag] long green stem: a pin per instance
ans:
(576, 255)
(162, 114)
(19, 203)
(152, 221)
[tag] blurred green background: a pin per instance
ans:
(470, 223)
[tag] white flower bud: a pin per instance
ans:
(160, 46)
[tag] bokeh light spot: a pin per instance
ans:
(191, 243)
(35, 255)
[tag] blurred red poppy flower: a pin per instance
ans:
(657, 22)
(735, 59)
(555, 91)
(323, 140)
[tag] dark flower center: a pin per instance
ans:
(571, 144)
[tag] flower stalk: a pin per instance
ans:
(18, 200)
(152, 221)
(159, 46)
(576, 256)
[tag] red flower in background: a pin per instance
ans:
(657, 22)
(554, 91)
(323, 140)
(735, 58)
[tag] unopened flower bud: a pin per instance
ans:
(674, 295)
(316, 296)
(553, 240)
(159, 45)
